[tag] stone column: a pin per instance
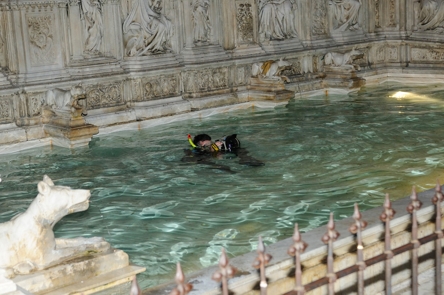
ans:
(112, 35)
(76, 42)
(188, 23)
(229, 24)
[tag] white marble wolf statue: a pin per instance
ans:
(336, 59)
(27, 240)
(72, 101)
(271, 70)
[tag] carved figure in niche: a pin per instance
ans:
(345, 15)
(431, 15)
(146, 30)
(271, 70)
(92, 17)
(28, 242)
(277, 19)
(202, 26)
(72, 101)
(345, 60)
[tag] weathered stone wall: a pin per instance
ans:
(139, 59)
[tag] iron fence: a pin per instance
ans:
(226, 271)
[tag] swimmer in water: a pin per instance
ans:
(203, 149)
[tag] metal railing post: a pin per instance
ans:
(225, 271)
(261, 261)
(357, 228)
(414, 206)
(385, 217)
(182, 288)
(295, 250)
(328, 238)
(437, 199)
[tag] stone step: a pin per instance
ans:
(72, 272)
(99, 283)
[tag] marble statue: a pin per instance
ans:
(146, 30)
(336, 59)
(202, 26)
(277, 19)
(431, 15)
(345, 15)
(72, 101)
(92, 16)
(27, 240)
(271, 70)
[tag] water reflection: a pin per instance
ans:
(321, 154)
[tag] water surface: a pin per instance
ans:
(322, 154)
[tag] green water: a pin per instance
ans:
(321, 154)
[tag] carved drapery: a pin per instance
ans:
(201, 20)
(345, 15)
(91, 15)
(146, 29)
(277, 19)
(431, 15)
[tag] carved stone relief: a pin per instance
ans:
(345, 15)
(427, 54)
(35, 101)
(319, 25)
(244, 17)
(205, 80)
(392, 14)
(243, 75)
(104, 95)
(380, 54)
(377, 14)
(277, 19)
(201, 20)
(160, 86)
(41, 39)
(91, 12)
(431, 15)
(136, 90)
(146, 29)
(392, 53)
(5, 109)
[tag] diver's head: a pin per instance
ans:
(202, 140)
(231, 142)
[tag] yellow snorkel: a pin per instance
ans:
(191, 141)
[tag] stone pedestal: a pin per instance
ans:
(342, 77)
(267, 89)
(85, 275)
(68, 130)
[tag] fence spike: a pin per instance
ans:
(328, 238)
(260, 262)
(182, 288)
(225, 271)
(295, 250)
(357, 228)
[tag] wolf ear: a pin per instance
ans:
(48, 180)
(44, 188)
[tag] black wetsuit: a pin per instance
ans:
(230, 148)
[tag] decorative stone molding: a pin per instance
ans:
(109, 95)
(160, 86)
